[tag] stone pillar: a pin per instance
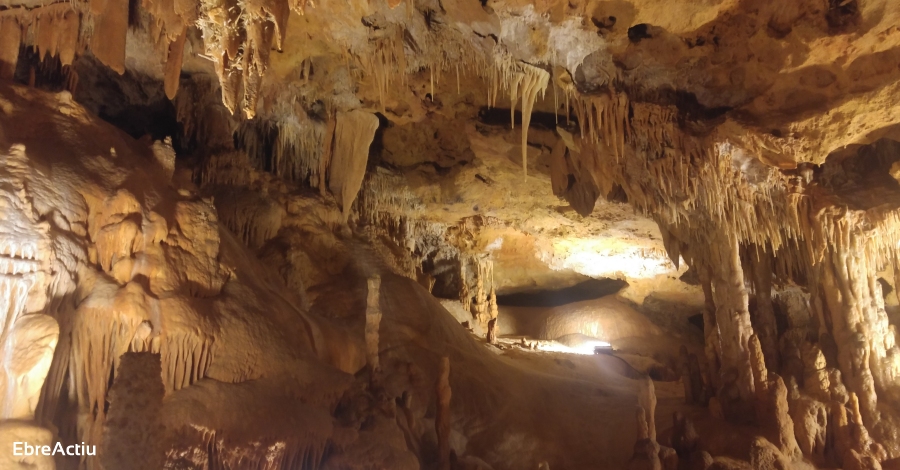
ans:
(865, 344)
(735, 391)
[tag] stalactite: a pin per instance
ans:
(325, 159)
(859, 324)
(173, 65)
(520, 80)
(708, 187)
(353, 134)
(53, 30)
(10, 39)
(110, 21)
(288, 146)
(386, 64)
(534, 81)
(238, 37)
(255, 219)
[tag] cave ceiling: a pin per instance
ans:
(779, 87)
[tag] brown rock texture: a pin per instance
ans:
(257, 233)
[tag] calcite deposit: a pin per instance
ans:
(450, 234)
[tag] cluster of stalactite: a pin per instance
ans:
(289, 148)
(237, 37)
(741, 223)
(54, 29)
(520, 80)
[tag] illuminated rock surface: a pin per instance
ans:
(450, 234)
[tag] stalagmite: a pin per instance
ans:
(646, 450)
(354, 131)
(758, 366)
(773, 415)
(465, 296)
(713, 348)
(858, 319)
(559, 168)
(373, 321)
(699, 386)
(647, 401)
(492, 331)
(684, 369)
(765, 456)
(765, 326)
(692, 382)
(226, 268)
(685, 440)
(406, 420)
(442, 418)
(810, 419)
(733, 319)
(493, 326)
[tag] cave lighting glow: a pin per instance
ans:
(608, 258)
(586, 348)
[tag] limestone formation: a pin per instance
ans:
(251, 233)
(685, 440)
(646, 449)
(353, 134)
(442, 421)
(373, 322)
(647, 401)
(765, 455)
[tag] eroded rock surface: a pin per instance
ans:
(304, 180)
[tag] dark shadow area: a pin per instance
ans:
(133, 102)
(587, 290)
(45, 73)
(500, 117)
(862, 179)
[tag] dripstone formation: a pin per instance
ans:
(450, 234)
